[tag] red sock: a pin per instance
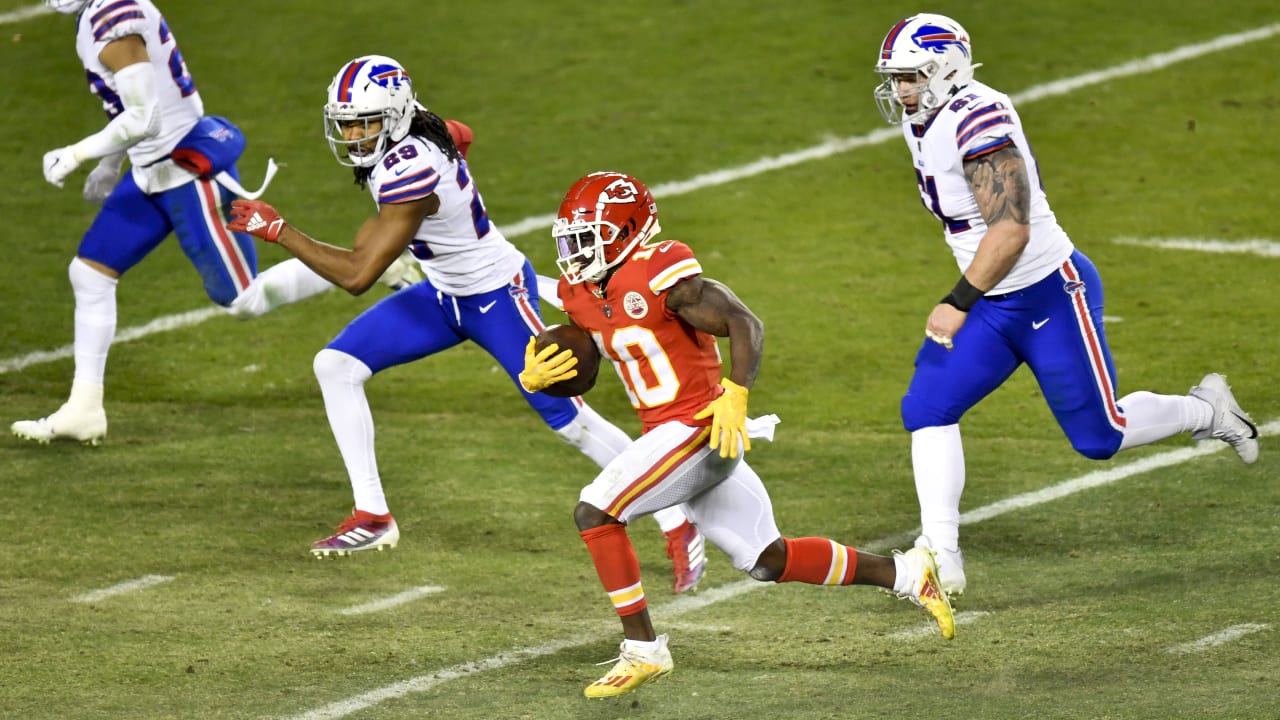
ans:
(819, 561)
(617, 566)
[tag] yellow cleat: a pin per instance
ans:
(634, 668)
(926, 591)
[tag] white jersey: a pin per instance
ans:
(977, 121)
(102, 21)
(460, 250)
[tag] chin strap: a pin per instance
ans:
(225, 180)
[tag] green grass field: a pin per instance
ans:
(220, 468)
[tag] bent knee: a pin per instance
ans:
(332, 365)
(918, 414)
(771, 562)
(1098, 447)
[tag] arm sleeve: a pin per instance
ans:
(140, 119)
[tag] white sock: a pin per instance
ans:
(901, 579)
(342, 378)
(594, 436)
(937, 457)
(671, 518)
(1150, 417)
(644, 645)
(283, 283)
(95, 321)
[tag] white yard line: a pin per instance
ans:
(687, 603)
(393, 601)
(26, 13)
(1141, 66)
(1235, 632)
(1258, 246)
(127, 586)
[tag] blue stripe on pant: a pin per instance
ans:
(1055, 327)
(131, 224)
(419, 321)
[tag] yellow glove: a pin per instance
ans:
(541, 369)
(728, 415)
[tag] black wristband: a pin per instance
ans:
(963, 296)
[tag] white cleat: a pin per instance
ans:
(950, 567)
(402, 273)
(1231, 424)
(68, 423)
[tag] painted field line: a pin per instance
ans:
(1141, 66)
(26, 13)
(127, 586)
(687, 603)
(1257, 246)
(925, 629)
(159, 325)
(394, 600)
(1235, 632)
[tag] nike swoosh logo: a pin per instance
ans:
(1252, 428)
(401, 171)
(1038, 325)
(486, 308)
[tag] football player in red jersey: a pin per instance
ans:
(653, 314)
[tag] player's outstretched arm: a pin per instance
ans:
(380, 240)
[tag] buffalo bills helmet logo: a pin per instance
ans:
(1073, 286)
(937, 39)
(389, 76)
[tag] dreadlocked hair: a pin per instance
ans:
(428, 126)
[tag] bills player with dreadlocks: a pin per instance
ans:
(1026, 294)
(183, 173)
(478, 287)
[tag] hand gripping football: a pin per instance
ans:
(584, 349)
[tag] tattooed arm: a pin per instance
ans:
(1000, 185)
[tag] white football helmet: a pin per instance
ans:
(935, 50)
(373, 89)
(66, 7)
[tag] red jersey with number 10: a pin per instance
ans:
(670, 369)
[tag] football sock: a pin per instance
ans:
(1150, 417)
(95, 320)
(342, 378)
(937, 458)
(283, 283)
(594, 436)
(617, 566)
(819, 561)
(671, 518)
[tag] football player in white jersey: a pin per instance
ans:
(478, 287)
(1025, 293)
(156, 119)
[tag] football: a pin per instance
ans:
(572, 338)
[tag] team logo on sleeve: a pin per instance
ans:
(634, 305)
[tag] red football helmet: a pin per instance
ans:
(603, 217)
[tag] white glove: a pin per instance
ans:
(58, 164)
(102, 179)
